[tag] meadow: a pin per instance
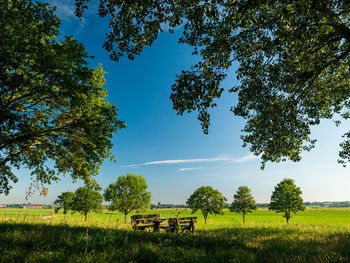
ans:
(315, 235)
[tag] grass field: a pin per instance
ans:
(315, 235)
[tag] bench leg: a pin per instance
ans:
(192, 226)
(156, 227)
(173, 229)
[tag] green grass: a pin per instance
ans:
(315, 235)
(21, 213)
(321, 216)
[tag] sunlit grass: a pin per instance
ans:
(315, 235)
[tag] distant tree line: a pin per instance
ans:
(22, 205)
(129, 193)
(286, 199)
(226, 205)
(315, 204)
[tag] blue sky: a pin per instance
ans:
(171, 151)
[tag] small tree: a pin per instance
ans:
(207, 200)
(243, 202)
(286, 198)
(87, 200)
(128, 193)
(65, 202)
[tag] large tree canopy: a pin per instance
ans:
(243, 202)
(54, 116)
(64, 201)
(286, 198)
(207, 200)
(87, 200)
(128, 193)
(293, 58)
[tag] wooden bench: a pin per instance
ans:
(174, 224)
(177, 224)
(141, 222)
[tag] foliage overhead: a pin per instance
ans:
(286, 198)
(64, 201)
(54, 116)
(207, 200)
(87, 200)
(243, 202)
(128, 193)
(292, 57)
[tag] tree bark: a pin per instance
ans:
(125, 218)
(86, 216)
(243, 218)
(205, 220)
(287, 215)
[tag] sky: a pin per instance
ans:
(171, 151)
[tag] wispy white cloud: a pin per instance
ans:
(246, 158)
(191, 168)
(64, 9)
(209, 175)
(198, 160)
(247, 172)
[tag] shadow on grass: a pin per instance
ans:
(61, 243)
(297, 243)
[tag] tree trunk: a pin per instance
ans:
(86, 216)
(287, 215)
(205, 220)
(125, 218)
(243, 218)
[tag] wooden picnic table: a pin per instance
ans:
(154, 221)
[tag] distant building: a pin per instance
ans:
(32, 207)
(2, 206)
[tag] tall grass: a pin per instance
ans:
(313, 236)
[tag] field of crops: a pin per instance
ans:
(315, 235)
